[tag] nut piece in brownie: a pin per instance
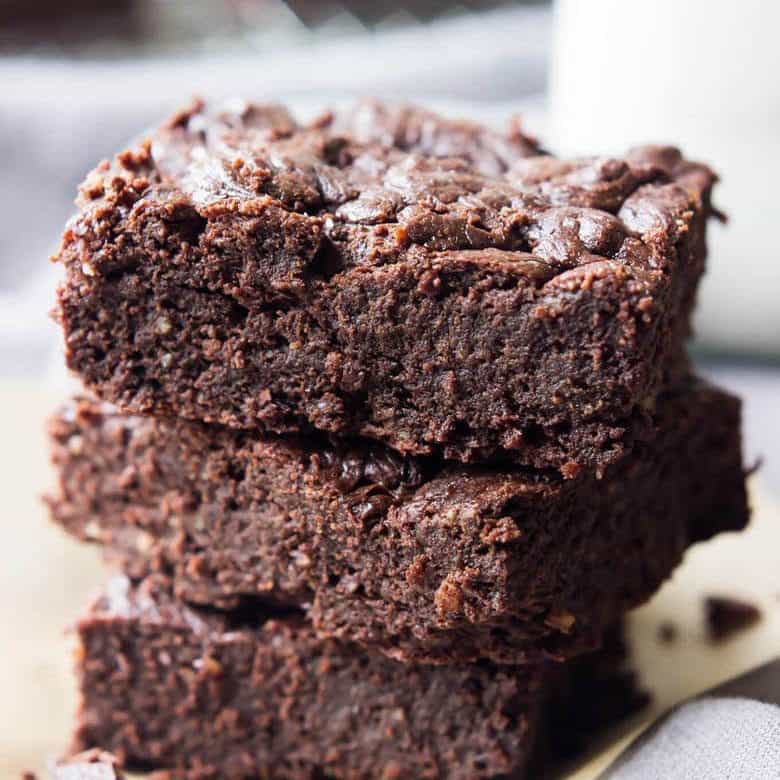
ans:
(424, 559)
(240, 268)
(166, 686)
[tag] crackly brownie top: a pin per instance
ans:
(384, 185)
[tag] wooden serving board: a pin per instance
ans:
(45, 579)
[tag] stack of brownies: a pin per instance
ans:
(403, 418)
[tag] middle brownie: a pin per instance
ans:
(427, 561)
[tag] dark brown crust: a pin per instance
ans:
(208, 695)
(243, 270)
(428, 561)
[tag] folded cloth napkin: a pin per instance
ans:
(732, 731)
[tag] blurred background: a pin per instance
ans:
(79, 79)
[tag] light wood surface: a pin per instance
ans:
(46, 578)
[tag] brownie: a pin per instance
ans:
(166, 686)
(240, 268)
(424, 559)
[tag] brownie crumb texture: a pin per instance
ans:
(728, 616)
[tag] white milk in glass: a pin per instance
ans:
(704, 75)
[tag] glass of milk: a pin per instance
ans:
(703, 75)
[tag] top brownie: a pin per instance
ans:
(385, 272)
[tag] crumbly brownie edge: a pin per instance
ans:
(429, 561)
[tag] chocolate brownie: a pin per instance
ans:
(240, 268)
(424, 559)
(166, 686)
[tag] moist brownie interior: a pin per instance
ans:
(238, 267)
(426, 560)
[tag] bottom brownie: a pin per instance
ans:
(166, 686)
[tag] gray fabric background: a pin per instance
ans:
(709, 739)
